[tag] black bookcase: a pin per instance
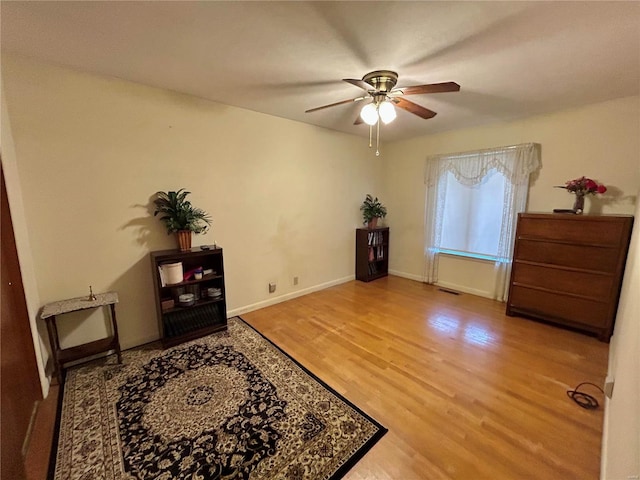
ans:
(372, 253)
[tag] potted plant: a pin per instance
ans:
(372, 210)
(180, 217)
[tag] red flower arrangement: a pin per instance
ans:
(583, 186)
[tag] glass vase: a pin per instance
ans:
(578, 205)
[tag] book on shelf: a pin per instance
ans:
(163, 283)
(374, 238)
(373, 269)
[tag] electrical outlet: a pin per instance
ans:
(295, 280)
(272, 287)
(608, 386)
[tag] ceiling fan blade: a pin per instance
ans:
(414, 108)
(358, 120)
(359, 83)
(430, 88)
(351, 100)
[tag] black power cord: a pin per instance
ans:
(584, 399)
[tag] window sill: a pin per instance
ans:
(473, 256)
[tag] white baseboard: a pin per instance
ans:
(139, 341)
(605, 439)
(450, 286)
(410, 276)
(604, 457)
(287, 296)
(464, 289)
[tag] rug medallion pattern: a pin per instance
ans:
(227, 406)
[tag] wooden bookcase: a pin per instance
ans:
(372, 253)
(568, 269)
(177, 323)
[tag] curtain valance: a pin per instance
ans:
(515, 162)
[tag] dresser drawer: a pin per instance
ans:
(601, 259)
(559, 307)
(594, 285)
(581, 230)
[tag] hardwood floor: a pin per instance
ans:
(465, 391)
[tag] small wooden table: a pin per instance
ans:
(62, 356)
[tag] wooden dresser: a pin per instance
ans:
(568, 269)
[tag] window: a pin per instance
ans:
(473, 199)
(472, 215)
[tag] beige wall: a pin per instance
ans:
(621, 436)
(600, 141)
(91, 151)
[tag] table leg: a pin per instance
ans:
(55, 347)
(114, 323)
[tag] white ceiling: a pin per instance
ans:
(512, 59)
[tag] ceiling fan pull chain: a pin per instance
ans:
(378, 139)
(370, 134)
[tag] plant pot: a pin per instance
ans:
(373, 223)
(184, 240)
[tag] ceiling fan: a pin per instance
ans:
(380, 87)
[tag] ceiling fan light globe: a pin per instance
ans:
(387, 112)
(369, 114)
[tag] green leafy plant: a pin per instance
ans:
(177, 213)
(372, 208)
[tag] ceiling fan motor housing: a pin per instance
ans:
(381, 80)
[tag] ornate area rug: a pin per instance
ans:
(227, 406)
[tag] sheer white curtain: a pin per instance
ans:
(470, 168)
